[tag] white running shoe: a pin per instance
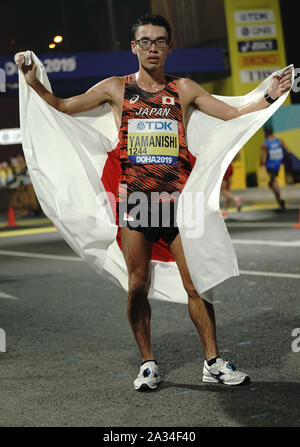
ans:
(223, 372)
(148, 377)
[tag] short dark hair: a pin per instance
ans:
(268, 130)
(151, 19)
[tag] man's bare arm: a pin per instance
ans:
(97, 95)
(195, 94)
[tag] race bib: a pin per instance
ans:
(276, 154)
(153, 141)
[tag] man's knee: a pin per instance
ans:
(139, 285)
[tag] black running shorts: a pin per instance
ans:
(154, 220)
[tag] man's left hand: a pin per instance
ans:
(280, 84)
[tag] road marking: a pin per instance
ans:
(40, 256)
(274, 274)
(29, 231)
(77, 259)
(246, 224)
(26, 222)
(239, 224)
(6, 296)
(2, 340)
(263, 242)
(261, 415)
(261, 206)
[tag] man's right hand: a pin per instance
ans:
(109, 90)
(28, 70)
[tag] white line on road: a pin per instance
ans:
(40, 256)
(6, 296)
(73, 258)
(264, 242)
(242, 224)
(274, 274)
(2, 340)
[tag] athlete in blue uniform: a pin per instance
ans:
(273, 149)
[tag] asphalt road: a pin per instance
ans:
(71, 358)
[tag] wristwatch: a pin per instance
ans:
(268, 98)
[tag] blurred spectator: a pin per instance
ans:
(15, 173)
(273, 151)
(6, 174)
(16, 189)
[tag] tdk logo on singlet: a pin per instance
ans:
(147, 125)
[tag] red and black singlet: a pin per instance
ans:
(153, 153)
(167, 163)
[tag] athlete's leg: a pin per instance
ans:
(225, 191)
(201, 311)
(275, 188)
(137, 253)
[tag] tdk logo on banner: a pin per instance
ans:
(154, 125)
(254, 16)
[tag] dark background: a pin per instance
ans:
(86, 26)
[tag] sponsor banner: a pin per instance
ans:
(59, 66)
(248, 46)
(108, 63)
(254, 16)
(2, 80)
(255, 31)
(247, 76)
(260, 59)
(153, 141)
(254, 27)
(10, 136)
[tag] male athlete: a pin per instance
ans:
(272, 155)
(164, 166)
